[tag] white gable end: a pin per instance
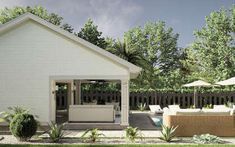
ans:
(33, 47)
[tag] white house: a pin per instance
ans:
(35, 54)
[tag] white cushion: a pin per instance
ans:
(220, 107)
(188, 112)
(225, 111)
(174, 107)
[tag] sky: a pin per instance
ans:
(114, 17)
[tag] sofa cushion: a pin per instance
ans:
(174, 107)
(224, 111)
(188, 112)
(220, 107)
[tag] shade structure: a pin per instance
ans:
(230, 81)
(198, 83)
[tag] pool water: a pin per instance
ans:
(157, 120)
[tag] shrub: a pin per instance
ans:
(56, 132)
(208, 106)
(93, 134)
(13, 111)
(133, 133)
(229, 104)
(23, 126)
(206, 139)
(141, 106)
(167, 133)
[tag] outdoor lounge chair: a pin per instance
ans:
(156, 109)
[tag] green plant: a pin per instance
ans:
(192, 107)
(93, 134)
(142, 106)
(208, 106)
(133, 133)
(167, 133)
(229, 104)
(56, 132)
(23, 126)
(206, 139)
(13, 111)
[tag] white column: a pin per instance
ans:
(78, 92)
(125, 102)
(52, 101)
(71, 92)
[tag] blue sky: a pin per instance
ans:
(114, 17)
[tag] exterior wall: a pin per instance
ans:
(31, 54)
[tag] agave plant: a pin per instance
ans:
(7, 116)
(92, 135)
(142, 106)
(56, 132)
(167, 133)
(133, 133)
(206, 139)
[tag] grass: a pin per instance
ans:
(124, 145)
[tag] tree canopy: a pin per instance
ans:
(90, 33)
(214, 47)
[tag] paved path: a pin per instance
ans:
(142, 121)
(112, 134)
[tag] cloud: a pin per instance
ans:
(113, 17)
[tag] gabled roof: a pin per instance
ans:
(135, 70)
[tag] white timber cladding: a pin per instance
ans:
(31, 55)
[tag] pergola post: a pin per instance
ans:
(125, 102)
(78, 92)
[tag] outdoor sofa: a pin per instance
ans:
(219, 121)
(91, 113)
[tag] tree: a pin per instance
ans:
(7, 14)
(214, 46)
(124, 50)
(158, 46)
(91, 34)
(67, 27)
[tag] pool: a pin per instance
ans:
(157, 120)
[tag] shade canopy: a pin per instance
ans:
(198, 83)
(230, 81)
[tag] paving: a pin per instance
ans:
(142, 121)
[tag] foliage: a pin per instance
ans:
(157, 46)
(229, 104)
(167, 133)
(13, 111)
(56, 132)
(93, 135)
(206, 139)
(90, 33)
(125, 50)
(208, 106)
(214, 48)
(23, 126)
(7, 14)
(141, 106)
(133, 133)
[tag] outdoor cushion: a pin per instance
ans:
(220, 107)
(188, 112)
(216, 111)
(174, 107)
